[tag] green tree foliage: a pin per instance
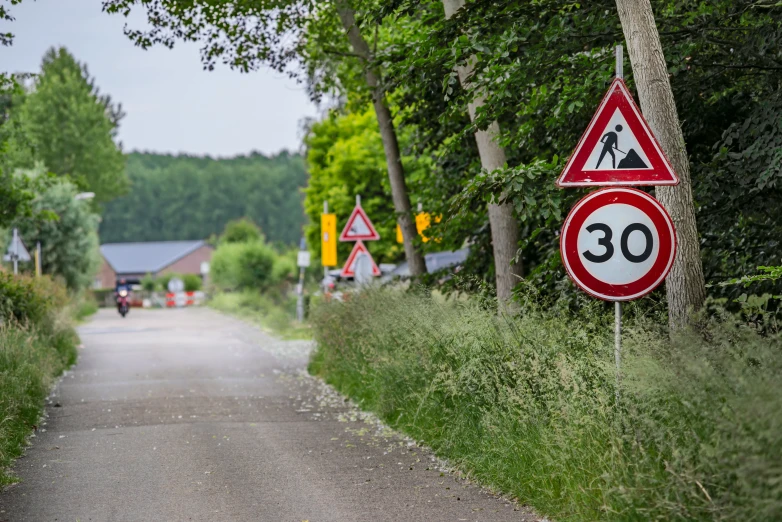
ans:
(186, 197)
(192, 282)
(71, 127)
(67, 231)
(345, 159)
(241, 231)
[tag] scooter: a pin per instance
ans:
(123, 303)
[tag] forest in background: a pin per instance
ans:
(188, 197)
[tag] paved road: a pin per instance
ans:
(178, 415)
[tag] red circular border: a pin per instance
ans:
(568, 244)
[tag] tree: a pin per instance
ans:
(685, 285)
(504, 227)
(71, 127)
(248, 34)
(67, 231)
(189, 197)
(345, 158)
(241, 231)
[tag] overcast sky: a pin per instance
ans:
(172, 104)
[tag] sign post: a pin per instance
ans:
(618, 243)
(303, 261)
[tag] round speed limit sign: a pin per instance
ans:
(618, 244)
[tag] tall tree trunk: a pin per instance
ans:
(504, 227)
(685, 285)
(396, 172)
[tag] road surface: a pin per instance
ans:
(178, 415)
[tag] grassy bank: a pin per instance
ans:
(37, 343)
(527, 405)
(275, 314)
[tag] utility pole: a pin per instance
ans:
(685, 286)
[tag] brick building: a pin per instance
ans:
(132, 261)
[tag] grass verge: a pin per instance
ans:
(37, 343)
(527, 405)
(275, 315)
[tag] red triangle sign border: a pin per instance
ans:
(359, 247)
(618, 98)
(347, 236)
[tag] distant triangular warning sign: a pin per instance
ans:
(359, 227)
(17, 249)
(618, 147)
(349, 270)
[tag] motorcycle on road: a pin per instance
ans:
(123, 302)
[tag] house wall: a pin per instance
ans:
(191, 263)
(106, 276)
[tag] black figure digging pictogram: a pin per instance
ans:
(610, 141)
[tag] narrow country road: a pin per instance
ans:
(176, 415)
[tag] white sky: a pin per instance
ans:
(172, 104)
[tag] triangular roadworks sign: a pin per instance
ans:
(359, 227)
(349, 270)
(618, 148)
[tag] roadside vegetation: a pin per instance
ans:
(37, 343)
(255, 280)
(527, 404)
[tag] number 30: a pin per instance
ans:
(605, 242)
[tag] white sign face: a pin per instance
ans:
(304, 258)
(175, 285)
(204, 267)
(618, 148)
(624, 232)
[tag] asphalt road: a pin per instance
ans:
(177, 415)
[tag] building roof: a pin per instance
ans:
(142, 258)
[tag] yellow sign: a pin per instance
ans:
(328, 239)
(422, 222)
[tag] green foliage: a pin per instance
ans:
(163, 280)
(36, 344)
(241, 231)
(192, 282)
(67, 231)
(148, 283)
(256, 261)
(185, 197)
(275, 314)
(71, 127)
(527, 405)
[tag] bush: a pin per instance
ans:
(192, 282)
(36, 344)
(255, 266)
(527, 405)
(148, 283)
(224, 268)
(241, 231)
(285, 270)
(29, 301)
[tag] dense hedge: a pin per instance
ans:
(528, 404)
(36, 344)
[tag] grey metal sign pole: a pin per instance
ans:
(618, 304)
(300, 288)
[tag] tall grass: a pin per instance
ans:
(37, 343)
(275, 312)
(527, 405)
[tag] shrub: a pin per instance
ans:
(148, 283)
(225, 266)
(192, 282)
(527, 405)
(36, 344)
(241, 231)
(285, 270)
(255, 266)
